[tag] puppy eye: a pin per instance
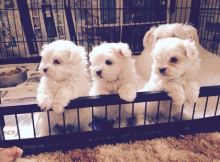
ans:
(173, 60)
(108, 62)
(56, 62)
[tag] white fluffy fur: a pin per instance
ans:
(178, 78)
(64, 78)
(210, 63)
(209, 73)
(118, 77)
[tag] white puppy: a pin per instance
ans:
(64, 78)
(113, 71)
(209, 73)
(182, 31)
(210, 63)
(175, 66)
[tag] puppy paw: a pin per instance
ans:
(192, 92)
(127, 93)
(45, 103)
(178, 98)
(58, 107)
(192, 97)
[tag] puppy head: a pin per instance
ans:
(61, 59)
(174, 57)
(109, 60)
(178, 30)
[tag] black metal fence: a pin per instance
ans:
(25, 25)
(102, 130)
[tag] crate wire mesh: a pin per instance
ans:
(25, 25)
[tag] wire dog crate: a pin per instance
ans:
(25, 25)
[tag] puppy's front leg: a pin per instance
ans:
(192, 92)
(127, 92)
(176, 92)
(44, 99)
(61, 100)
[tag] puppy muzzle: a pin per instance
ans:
(162, 71)
(99, 73)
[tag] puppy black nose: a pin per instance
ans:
(99, 73)
(162, 70)
(45, 70)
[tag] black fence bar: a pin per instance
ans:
(9, 108)
(27, 26)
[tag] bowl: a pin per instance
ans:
(10, 77)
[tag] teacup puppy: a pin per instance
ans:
(178, 30)
(64, 77)
(175, 67)
(113, 71)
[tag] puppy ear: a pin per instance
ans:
(148, 37)
(191, 33)
(78, 53)
(124, 50)
(43, 48)
(190, 49)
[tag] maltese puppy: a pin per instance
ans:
(182, 31)
(175, 66)
(64, 77)
(208, 74)
(113, 71)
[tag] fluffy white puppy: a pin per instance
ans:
(209, 73)
(210, 63)
(178, 30)
(175, 66)
(113, 71)
(64, 77)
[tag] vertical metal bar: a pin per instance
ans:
(17, 126)
(194, 13)
(181, 115)
(194, 108)
(2, 124)
(92, 118)
(119, 115)
(106, 115)
(207, 98)
(172, 6)
(170, 110)
(33, 124)
(132, 113)
(27, 26)
(216, 109)
(48, 118)
(145, 113)
(158, 112)
(40, 27)
(70, 22)
(64, 121)
(78, 119)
